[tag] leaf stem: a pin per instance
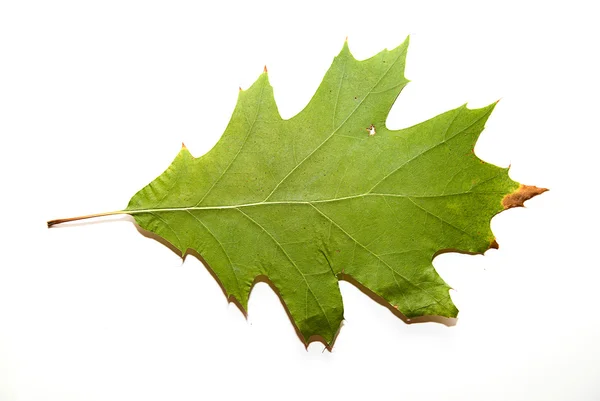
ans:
(88, 216)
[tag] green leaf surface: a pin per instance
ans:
(332, 194)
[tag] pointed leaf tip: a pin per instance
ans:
(265, 69)
(345, 48)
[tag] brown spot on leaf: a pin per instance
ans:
(518, 197)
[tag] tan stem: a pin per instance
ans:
(88, 216)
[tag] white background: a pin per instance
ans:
(95, 100)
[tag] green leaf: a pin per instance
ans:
(333, 194)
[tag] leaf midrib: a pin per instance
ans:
(225, 207)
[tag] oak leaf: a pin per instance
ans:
(332, 194)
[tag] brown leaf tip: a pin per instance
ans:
(523, 193)
(494, 244)
(265, 69)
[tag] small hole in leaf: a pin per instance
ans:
(371, 130)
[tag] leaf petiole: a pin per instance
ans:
(88, 216)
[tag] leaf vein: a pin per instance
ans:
(425, 151)
(336, 130)
(260, 97)
(222, 248)
(374, 254)
(293, 264)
